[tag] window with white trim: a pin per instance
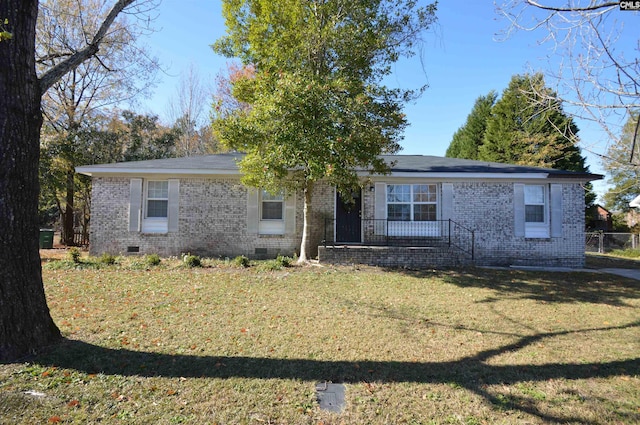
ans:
(536, 211)
(271, 213)
(156, 206)
(272, 206)
(157, 199)
(412, 210)
(412, 202)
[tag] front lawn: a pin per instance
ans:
(225, 345)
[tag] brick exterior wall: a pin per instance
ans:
(487, 208)
(212, 221)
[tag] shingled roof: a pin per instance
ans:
(226, 163)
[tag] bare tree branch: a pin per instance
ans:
(591, 7)
(55, 73)
(634, 143)
(593, 60)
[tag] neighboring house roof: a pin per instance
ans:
(600, 207)
(635, 203)
(407, 165)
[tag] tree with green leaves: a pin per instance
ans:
(26, 325)
(623, 167)
(467, 139)
(124, 136)
(528, 126)
(143, 137)
(319, 109)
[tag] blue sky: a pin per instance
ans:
(461, 61)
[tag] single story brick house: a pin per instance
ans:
(428, 212)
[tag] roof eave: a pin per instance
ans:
(108, 171)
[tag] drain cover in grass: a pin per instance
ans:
(330, 396)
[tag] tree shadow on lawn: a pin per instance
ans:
(551, 287)
(472, 373)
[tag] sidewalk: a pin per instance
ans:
(628, 273)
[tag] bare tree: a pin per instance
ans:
(595, 55)
(119, 71)
(187, 111)
(26, 325)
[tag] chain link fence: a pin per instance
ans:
(602, 242)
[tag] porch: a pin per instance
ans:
(387, 243)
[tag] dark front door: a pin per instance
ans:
(348, 227)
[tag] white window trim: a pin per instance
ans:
(538, 229)
(411, 202)
(271, 226)
(153, 224)
(411, 227)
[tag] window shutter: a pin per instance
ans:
(173, 205)
(252, 210)
(135, 205)
(447, 201)
(380, 211)
(518, 209)
(290, 213)
(556, 210)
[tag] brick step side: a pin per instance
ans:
(394, 256)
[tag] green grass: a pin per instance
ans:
(628, 253)
(222, 344)
(616, 259)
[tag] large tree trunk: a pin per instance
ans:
(25, 322)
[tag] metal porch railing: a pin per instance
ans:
(382, 232)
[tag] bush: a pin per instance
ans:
(241, 261)
(284, 261)
(152, 259)
(74, 255)
(276, 264)
(191, 260)
(107, 258)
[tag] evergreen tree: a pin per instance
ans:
(467, 139)
(528, 126)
